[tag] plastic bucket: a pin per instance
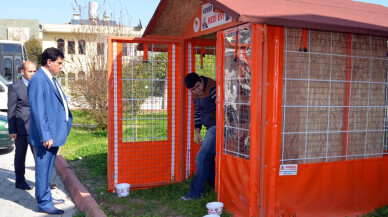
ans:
(214, 208)
(122, 189)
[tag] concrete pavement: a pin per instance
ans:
(18, 203)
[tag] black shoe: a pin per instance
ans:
(25, 187)
(53, 185)
(57, 201)
(52, 211)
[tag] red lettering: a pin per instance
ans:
(212, 19)
(220, 17)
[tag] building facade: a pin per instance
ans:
(84, 42)
(19, 30)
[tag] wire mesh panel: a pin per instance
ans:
(146, 152)
(145, 96)
(237, 86)
(201, 58)
(334, 96)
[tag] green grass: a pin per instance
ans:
(81, 117)
(86, 151)
(380, 212)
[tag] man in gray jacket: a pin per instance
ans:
(204, 97)
(19, 122)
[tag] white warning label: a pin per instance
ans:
(288, 170)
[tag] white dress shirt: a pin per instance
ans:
(25, 81)
(60, 92)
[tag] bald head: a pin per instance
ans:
(28, 70)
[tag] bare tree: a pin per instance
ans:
(88, 83)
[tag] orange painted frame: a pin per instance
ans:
(116, 137)
(274, 45)
(201, 42)
(231, 166)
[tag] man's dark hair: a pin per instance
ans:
(191, 79)
(51, 53)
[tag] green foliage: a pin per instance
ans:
(209, 68)
(79, 214)
(80, 117)
(34, 51)
(380, 212)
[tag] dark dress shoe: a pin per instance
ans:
(57, 201)
(53, 185)
(25, 187)
(52, 211)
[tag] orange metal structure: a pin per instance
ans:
(276, 64)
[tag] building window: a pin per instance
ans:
(100, 48)
(81, 47)
(61, 44)
(18, 65)
(8, 69)
(70, 47)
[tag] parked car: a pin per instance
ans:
(5, 141)
(3, 94)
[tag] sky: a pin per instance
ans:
(379, 2)
(128, 12)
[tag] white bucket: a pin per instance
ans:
(214, 208)
(122, 189)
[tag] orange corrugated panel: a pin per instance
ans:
(234, 185)
(343, 188)
(144, 162)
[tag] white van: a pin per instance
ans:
(3, 94)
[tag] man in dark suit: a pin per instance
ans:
(19, 122)
(50, 125)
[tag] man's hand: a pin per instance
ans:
(48, 144)
(198, 137)
(13, 135)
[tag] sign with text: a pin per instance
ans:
(288, 170)
(211, 19)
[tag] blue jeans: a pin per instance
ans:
(205, 164)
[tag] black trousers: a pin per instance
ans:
(21, 145)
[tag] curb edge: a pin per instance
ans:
(81, 197)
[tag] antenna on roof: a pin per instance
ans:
(139, 25)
